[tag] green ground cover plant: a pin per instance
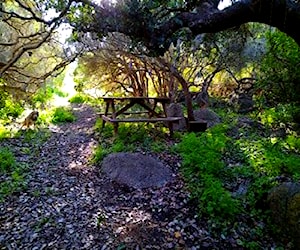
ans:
(129, 138)
(62, 114)
(280, 115)
(216, 165)
(13, 171)
(79, 98)
(4, 132)
(202, 169)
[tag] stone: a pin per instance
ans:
(175, 110)
(246, 103)
(136, 170)
(207, 115)
(284, 203)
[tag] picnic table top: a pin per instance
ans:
(135, 98)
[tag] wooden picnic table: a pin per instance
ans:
(149, 106)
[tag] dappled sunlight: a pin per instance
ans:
(59, 101)
(68, 87)
(83, 152)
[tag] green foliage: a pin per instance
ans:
(78, 98)
(130, 136)
(45, 118)
(16, 182)
(62, 114)
(42, 96)
(214, 199)
(118, 146)
(4, 133)
(11, 109)
(3, 97)
(279, 115)
(99, 154)
(254, 160)
(59, 92)
(269, 157)
(36, 137)
(279, 71)
(80, 15)
(133, 133)
(46, 94)
(260, 186)
(158, 146)
(292, 143)
(206, 149)
(84, 98)
(202, 168)
(13, 172)
(7, 160)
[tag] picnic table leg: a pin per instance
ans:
(106, 112)
(116, 126)
(170, 125)
(164, 105)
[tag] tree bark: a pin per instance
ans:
(203, 17)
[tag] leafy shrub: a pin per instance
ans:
(78, 98)
(202, 168)
(4, 133)
(133, 132)
(7, 160)
(257, 193)
(62, 114)
(292, 142)
(158, 146)
(16, 182)
(269, 157)
(99, 154)
(215, 200)
(202, 154)
(42, 96)
(279, 70)
(14, 173)
(118, 146)
(11, 109)
(59, 92)
(279, 115)
(3, 97)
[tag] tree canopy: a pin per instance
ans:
(28, 29)
(159, 23)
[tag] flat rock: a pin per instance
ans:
(136, 170)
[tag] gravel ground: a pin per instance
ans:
(70, 204)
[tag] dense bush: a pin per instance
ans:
(14, 172)
(7, 160)
(62, 114)
(203, 167)
(280, 115)
(10, 109)
(279, 76)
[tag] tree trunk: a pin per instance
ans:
(188, 99)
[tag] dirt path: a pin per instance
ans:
(70, 204)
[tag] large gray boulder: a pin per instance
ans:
(136, 170)
(208, 116)
(175, 110)
(284, 202)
